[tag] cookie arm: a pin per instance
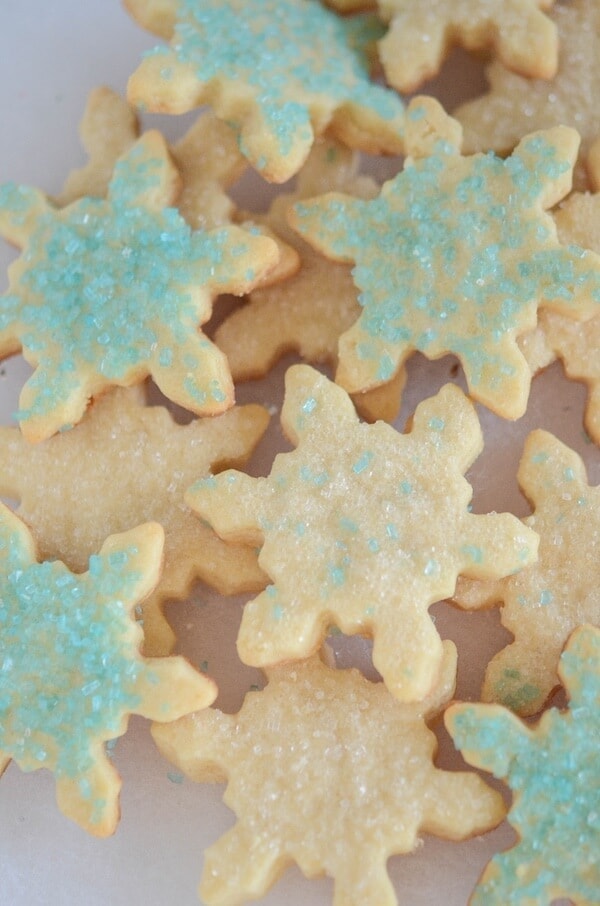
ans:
(489, 736)
(170, 688)
(239, 866)
(324, 223)
(20, 209)
(158, 16)
(546, 464)
(460, 805)
(198, 744)
(231, 503)
(91, 799)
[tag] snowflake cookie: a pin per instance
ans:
(554, 772)
(515, 105)
(421, 34)
(543, 603)
(456, 255)
(362, 527)
(280, 72)
(71, 668)
(132, 463)
(110, 290)
(325, 769)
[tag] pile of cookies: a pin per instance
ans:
(148, 303)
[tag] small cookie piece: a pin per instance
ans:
(110, 290)
(280, 72)
(543, 603)
(554, 772)
(326, 770)
(421, 35)
(130, 464)
(71, 668)
(307, 312)
(108, 129)
(456, 255)
(515, 106)
(362, 527)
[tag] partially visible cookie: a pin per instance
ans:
(125, 464)
(308, 312)
(108, 129)
(455, 255)
(362, 527)
(421, 35)
(515, 106)
(543, 603)
(326, 770)
(110, 290)
(553, 770)
(279, 72)
(71, 668)
(578, 345)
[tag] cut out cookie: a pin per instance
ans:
(71, 669)
(543, 603)
(362, 527)
(125, 464)
(553, 770)
(308, 312)
(421, 35)
(515, 106)
(110, 290)
(314, 76)
(456, 255)
(326, 770)
(578, 345)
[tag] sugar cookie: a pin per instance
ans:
(421, 35)
(362, 527)
(131, 463)
(71, 669)
(326, 770)
(314, 77)
(553, 770)
(110, 290)
(456, 255)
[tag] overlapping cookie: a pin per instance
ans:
(456, 255)
(362, 527)
(71, 668)
(515, 106)
(326, 770)
(131, 463)
(553, 770)
(577, 345)
(110, 290)
(543, 603)
(307, 313)
(421, 35)
(279, 73)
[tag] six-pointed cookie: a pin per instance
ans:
(327, 770)
(71, 668)
(280, 72)
(456, 255)
(362, 527)
(110, 290)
